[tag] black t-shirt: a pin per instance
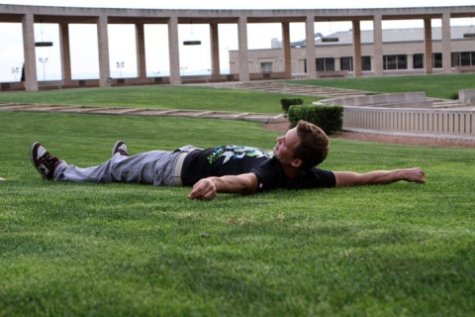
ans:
(235, 160)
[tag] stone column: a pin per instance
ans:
(65, 53)
(31, 80)
(410, 61)
(428, 45)
(243, 53)
(215, 67)
(174, 51)
(310, 47)
(378, 45)
(446, 43)
(140, 47)
(103, 40)
(337, 64)
(287, 49)
(356, 48)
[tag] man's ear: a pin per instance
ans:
(297, 163)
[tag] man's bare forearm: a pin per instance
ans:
(207, 188)
(380, 177)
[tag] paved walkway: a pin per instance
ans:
(245, 116)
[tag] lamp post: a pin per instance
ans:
(43, 60)
(183, 68)
(15, 71)
(120, 65)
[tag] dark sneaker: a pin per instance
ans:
(43, 161)
(120, 147)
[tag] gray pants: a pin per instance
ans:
(154, 167)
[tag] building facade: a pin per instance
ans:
(403, 53)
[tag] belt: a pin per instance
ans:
(178, 168)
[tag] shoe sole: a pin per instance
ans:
(116, 145)
(33, 153)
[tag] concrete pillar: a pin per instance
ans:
(243, 53)
(174, 51)
(31, 80)
(215, 67)
(337, 64)
(378, 45)
(428, 45)
(140, 47)
(357, 48)
(446, 43)
(65, 53)
(103, 40)
(410, 61)
(310, 47)
(287, 49)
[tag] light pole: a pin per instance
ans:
(119, 66)
(183, 68)
(43, 60)
(15, 71)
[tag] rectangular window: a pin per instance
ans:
(266, 67)
(401, 61)
(465, 59)
(366, 62)
(325, 64)
(395, 62)
(389, 62)
(437, 60)
(346, 63)
(320, 65)
(418, 61)
(329, 64)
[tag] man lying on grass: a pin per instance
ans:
(229, 169)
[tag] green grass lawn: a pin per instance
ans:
(160, 97)
(440, 86)
(217, 99)
(69, 249)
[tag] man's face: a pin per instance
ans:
(285, 146)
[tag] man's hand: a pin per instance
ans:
(205, 189)
(415, 175)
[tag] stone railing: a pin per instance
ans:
(423, 121)
(407, 99)
(467, 96)
(406, 113)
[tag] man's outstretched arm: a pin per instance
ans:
(380, 177)
(207, 188)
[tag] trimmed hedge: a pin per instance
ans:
(329, 118)
(287, 102)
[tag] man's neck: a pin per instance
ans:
(290, 171)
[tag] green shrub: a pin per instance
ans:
(287, 102)
(329, 118)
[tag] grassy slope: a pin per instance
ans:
(121, 250)
(206, 98)
(441, 86)
(166, 97)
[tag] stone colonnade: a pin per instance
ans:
(28, 15)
